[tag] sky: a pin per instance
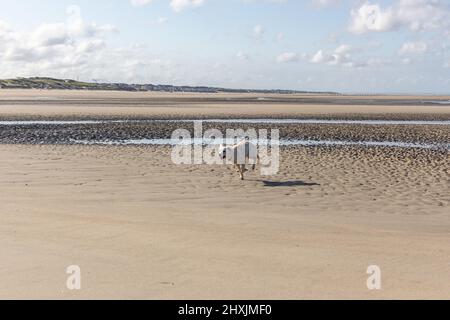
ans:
(349, 46)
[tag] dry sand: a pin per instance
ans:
(141, 227)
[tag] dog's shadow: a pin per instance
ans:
(291, 183)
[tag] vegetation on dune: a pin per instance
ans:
(45, 83)
(68, 84)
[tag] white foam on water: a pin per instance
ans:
(325, 121)
(55, 122)
(234, 121)
(296, 142)
(444, 102)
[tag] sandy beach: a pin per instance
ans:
(141, 227)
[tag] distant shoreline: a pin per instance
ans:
(68, 84)
(44, 83)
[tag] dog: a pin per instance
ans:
(241, 154)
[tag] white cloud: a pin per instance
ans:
(341, 56)
(179, 5)
(417, 15)
(371, 17)
(77, 27)
(280, 36)
(288, 57)
(79, 49)
(267, 1)
(324, 3)
(176, 5)
(258, 31)
(413, 48)
(66, 49)
(53, 43)
(242, 56)
(139, 3)
(406, 61)
(343, 49)
(162, 20)
(319, 57)
(51, 34)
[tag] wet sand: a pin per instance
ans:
(141, 227)
(44, 104)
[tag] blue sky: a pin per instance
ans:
(400, 46)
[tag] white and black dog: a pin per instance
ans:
(241, 154)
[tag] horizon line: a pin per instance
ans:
(250, 90)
